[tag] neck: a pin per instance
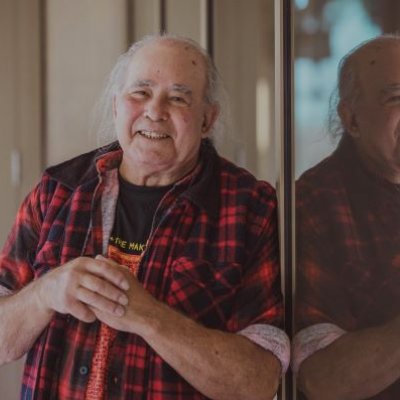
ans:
(141, 177)
(379, 167)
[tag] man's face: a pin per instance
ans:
(160, 113)
(377, 110)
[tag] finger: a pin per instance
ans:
(109, 272)
(97, 301)
(102, 258)
(104, 288)
(111, 262)
(82, 312)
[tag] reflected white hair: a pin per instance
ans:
(215, 93)
(348, 88)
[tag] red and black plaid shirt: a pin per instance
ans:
(348, 246)
(213, 256)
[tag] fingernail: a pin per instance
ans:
(125, 285)
(123, 300)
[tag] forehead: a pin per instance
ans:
(378, 65)
(166, 62)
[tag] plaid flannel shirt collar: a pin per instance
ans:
(348, 161)
(201, 186)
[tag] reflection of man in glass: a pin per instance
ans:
(348, 240)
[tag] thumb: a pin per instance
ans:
(110, 261)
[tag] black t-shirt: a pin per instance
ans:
(134, 214)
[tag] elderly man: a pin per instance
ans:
(348, 276)
(147, 268)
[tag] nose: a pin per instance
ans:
(156, 110)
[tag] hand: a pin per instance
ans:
(139, 311)
(81, 284)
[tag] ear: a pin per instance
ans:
(349, 119)
(210, 116)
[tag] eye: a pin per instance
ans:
(138, 94)
(394, 99)
(178, 100)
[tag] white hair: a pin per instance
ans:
(215, 93)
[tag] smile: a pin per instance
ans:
(153, 135)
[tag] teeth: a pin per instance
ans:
(153, 135)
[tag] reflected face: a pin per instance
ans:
(376, 119)
(160, 114)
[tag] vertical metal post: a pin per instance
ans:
(130, 12)
(210, 27)
(163, 16)
(284, 130)
(43, 80)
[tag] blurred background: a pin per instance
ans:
(56, 55)
(324, 31)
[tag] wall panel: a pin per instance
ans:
(20, 127)
(145, 17)
(186, 18)
(244, 55)
(84, 39)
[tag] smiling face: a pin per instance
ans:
(374, 119)
(160, 114)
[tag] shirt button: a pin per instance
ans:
(115, 380)
(83, 370)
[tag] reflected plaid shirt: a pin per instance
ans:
(213, 256)
(348, 247)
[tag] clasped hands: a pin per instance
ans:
(97, 288)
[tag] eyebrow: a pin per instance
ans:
(149, 83)
(182, 88)
(391, 88)
(142, 83)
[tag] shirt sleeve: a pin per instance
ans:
(311, 339)
(322, 304)
(322, 288)
(4, 291)
(258, 310)
(270, 338)
(20, 246)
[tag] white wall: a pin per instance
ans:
(244, 55)
(20, 127)
(84, 38)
